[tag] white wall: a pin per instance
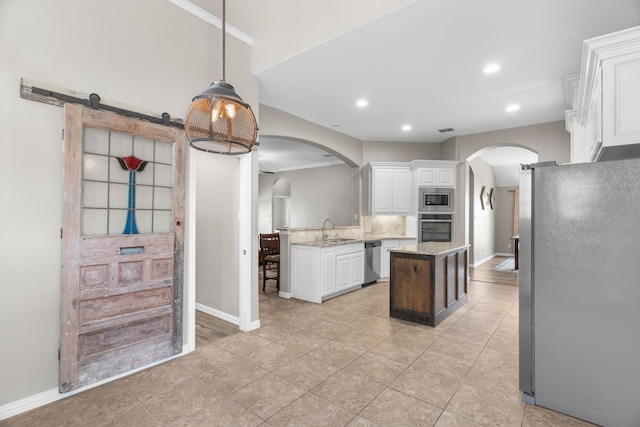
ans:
(147, 54)
(316, 194)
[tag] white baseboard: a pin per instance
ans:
(254, 325)
(226, 317)
(217, 313)
(476, 264)
(286, 295)
(37, 400)
(28, 403)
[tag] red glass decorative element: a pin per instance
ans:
(132, 163)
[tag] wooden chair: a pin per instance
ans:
(270, 256)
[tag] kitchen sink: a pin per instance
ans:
(340, 239)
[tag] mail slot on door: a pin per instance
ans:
(132, 250)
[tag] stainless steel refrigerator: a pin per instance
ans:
(580, 290)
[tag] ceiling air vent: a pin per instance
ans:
(445, 130)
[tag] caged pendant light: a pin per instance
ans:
(218, 120)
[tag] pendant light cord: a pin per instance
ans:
(224, 35)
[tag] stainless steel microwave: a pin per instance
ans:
(435, 200)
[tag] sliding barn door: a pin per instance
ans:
(122, 245)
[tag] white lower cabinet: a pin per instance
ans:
(319, 273)
(328, 271)
(350, 268)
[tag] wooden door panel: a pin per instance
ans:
(104, 365)
(121, 294)
(123, 308)
(104, 270)
(106, 339)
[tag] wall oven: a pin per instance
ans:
(435, 227)
(435, 199)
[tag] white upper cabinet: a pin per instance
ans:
(604, 124)
(621, 99)
(387, 188)
(434, 173)
(436, 177)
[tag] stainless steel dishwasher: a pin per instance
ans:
(372, 260)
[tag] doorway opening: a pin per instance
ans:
(493, 184)
(280, 204)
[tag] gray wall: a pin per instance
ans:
(550, 140)
(399, 151)
(483, 245)
(126, 54)
(279, 124)
(217, 225)
(504, 220)
(316, 194)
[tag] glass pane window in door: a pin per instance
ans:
(126, 184)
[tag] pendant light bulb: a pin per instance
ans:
(215, 111)
(230, 111)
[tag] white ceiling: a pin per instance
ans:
(422, 63)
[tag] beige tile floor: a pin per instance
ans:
(341, 363)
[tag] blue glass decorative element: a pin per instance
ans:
(133, 165)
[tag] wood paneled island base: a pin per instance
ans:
(428, 281)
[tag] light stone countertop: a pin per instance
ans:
(329, 242)
(347, 241)
(430, 248)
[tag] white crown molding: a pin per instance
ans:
(213, 20)
(570, 85)
(569, 118)
(415, 164)
(594, 52)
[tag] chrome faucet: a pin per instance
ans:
(324, 227)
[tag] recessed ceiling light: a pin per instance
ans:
(406, 128)
(491, 68)
(362, 103)
(513, 107)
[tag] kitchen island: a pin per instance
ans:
(428, 281)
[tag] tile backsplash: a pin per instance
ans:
(315, 234)
(384, 225)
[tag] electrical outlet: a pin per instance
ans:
(509, 245)
(301, 233)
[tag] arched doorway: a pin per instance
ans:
(493, 181)
(280, 204)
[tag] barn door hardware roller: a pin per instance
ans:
(60, 97)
